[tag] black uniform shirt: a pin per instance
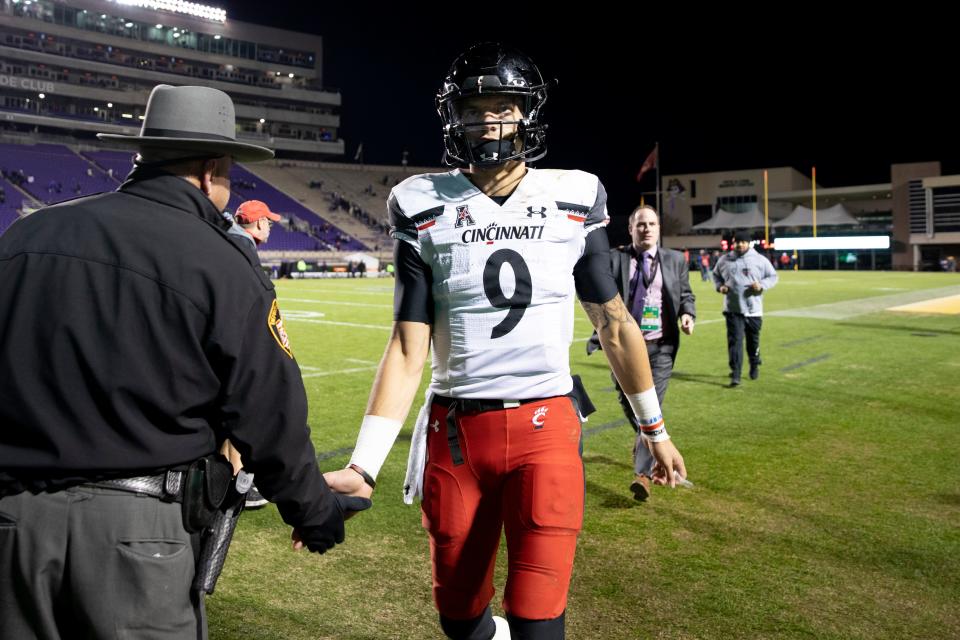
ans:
(135, 336)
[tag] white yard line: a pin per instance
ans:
(356, 325)
(339, 302)
(846, 309)
(350, 292)
(321, 374)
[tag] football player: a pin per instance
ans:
(489, 257)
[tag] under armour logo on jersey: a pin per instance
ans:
(463, 216)
(542, 213)
(539, 417)
(435, 426)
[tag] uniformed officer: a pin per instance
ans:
(135, 336)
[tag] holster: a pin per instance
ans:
(215, 543)
(206, 484)
(216, 537)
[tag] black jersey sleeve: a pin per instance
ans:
(412, 293)
(592, 275)
(401, 227)
(597, 216)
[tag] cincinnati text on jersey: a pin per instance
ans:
(494, 232)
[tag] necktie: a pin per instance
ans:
(639, 287)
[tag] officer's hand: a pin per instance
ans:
(723, 288)
(686, 323)
(320, 538)
(756, 286)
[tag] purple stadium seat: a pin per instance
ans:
(55, 166)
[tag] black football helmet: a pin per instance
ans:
(492, 69)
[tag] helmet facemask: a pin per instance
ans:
(472, 140)
(469, 139)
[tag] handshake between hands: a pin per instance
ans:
(349, 494)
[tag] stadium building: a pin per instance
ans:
(71, 69)
(917, 213)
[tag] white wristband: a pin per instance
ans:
(647, 409)
(376, 438)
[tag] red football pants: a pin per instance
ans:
(521, 472)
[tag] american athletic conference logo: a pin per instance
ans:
(463, 216)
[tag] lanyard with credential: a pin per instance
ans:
(653, 270)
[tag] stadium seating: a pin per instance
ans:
(57, 171)
(8, 209)
(51, 165)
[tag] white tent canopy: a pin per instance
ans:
(834, 216)
(722, 219)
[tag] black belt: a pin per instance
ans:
(470, 405)
(167, 486)
(479, 405)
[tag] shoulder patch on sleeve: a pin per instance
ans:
(426, 219)
(401, 227)
(598, 212)
(277, 330)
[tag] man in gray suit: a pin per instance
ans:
(655, 285)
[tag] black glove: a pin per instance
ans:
(320, 538)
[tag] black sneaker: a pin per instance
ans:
(754, 371)
(734, 381)
(254, 500)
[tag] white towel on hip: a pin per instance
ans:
(417, 460)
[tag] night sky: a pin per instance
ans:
(725, 90)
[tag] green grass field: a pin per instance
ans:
(826, 505)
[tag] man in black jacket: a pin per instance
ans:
(657, 293)
(135, 336)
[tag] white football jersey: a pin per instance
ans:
(503, 286)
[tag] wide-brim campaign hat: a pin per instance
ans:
(196, 119)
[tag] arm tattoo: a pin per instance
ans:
(604, 316)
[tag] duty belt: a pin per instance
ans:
(167, 486)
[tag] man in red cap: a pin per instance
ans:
(255, 218)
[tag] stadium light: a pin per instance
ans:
(126, 115)
(42, 96)
(217, 37)
(128, 24)
(179, 6)
(262, 121)
(833, 242)
(289, 75)
(159, 26)
(109, 105)
(96, 109)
